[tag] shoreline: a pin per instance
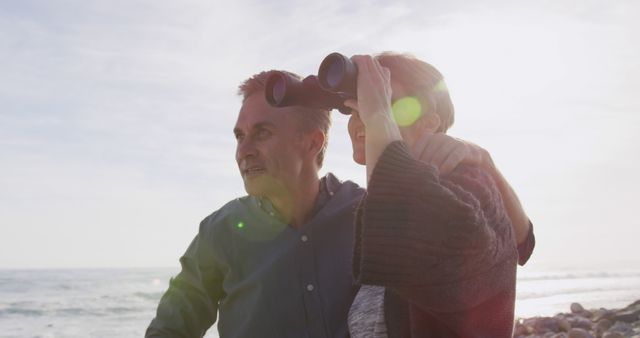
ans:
(583, 323)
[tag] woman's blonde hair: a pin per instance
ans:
(422, 80)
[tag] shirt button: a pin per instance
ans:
(271, 213)
(310, 287)
(330, 193)
(304, 238)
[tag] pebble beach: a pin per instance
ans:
(579, 322)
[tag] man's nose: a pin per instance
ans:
(244, 149)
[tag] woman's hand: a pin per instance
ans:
(374, 91)
(374, 108)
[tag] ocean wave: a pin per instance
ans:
(69, 312)
(155, 296)
(578, 275)
(77, 311)
(522, 295)
(21, 312)
(122, 310)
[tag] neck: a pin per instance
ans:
(296, 203)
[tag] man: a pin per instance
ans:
(276, 263)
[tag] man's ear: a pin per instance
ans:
(430, 122)
(316, 138)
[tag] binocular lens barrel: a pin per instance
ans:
(276, 89)
(337, 73)
(336, 82)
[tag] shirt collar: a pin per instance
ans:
(329, 184)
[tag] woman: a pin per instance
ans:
(435, 252)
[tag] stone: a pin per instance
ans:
(519, 330)
(612, 334)
(628, 316)
(529, 329)
(622, 327)
(541, 325)
(601, 327)
(579, 333)
(560, 335)
(576, 308)
(581, 323)
(601, 313)
(605, 324)
(547, 324)
(563, 324)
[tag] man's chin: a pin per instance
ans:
(253, 190)
(255, 186)
(263, 186)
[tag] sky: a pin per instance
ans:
(116, 117)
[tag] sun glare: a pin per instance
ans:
(406, 111)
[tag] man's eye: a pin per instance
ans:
(263, 133)
(239, 137)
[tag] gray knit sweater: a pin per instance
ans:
(443, 248)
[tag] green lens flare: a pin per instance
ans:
(440, 87)
(240, 225)
(406, 111)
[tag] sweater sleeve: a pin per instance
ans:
(443, 244)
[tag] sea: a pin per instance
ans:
(120, 303)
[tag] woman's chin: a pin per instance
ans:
(359, 158)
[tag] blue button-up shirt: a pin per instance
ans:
(264, 278)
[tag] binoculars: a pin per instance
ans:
(335, 83)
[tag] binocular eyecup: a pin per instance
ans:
(335, 83)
